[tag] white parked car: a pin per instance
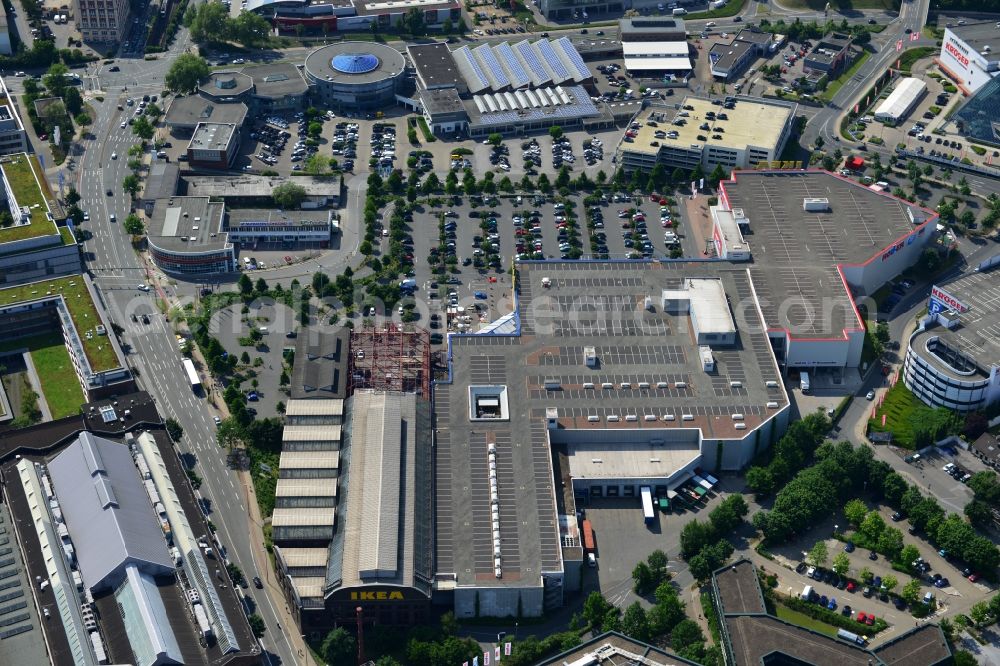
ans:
(143, 287)
(871, 395)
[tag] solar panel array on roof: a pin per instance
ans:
(494, 72)
(516, 73)
(571, 58)
(533, 64)
(560, 73)
(552, 107)
(470, 69)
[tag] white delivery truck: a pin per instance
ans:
(680, 11)
(804, 382)
(851, 636)
(807, 592)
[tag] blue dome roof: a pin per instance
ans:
(354, 63)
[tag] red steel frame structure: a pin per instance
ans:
(391, 359)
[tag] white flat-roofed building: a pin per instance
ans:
(704, 299)
(657, 56)
(727, 236)
(970, 54)
(901, 100)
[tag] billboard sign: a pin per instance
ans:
(941, 300)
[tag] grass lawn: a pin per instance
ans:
(59, 382)
(910, 56)
(802, 620)
(899, 408)
(731, 9)
(835, 85)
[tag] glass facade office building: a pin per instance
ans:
(979, 119)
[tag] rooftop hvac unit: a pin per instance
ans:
(588, 385)
(771, 384)
(680, 385)
(631, 417)
(669, 417)
(649, 417)
(661, 385)
(815, 204)
(737, 417)
(590, 356)
(687, 417)
(772, 405)
(552, 384)
(735, 384)
(613, 418)
(625, 385)
(607, 386)
(593, 417)
(707, 360)
(741, 426)
(644, 385)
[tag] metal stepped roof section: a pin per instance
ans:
(560, 73)
(107, 511)
(572, 60)
(515, 71)
(380, 503)
(491, 67)
(470, 69)
(533, 64)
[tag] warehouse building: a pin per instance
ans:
(652, 29)
(750, 635)
(103, 527)
(254, 191)
(970, 54)
(901, 101)
(360, 533)
(185, 236)
(742, 135)
(279, 228)
(831, 54)
(185, 114)
(35, 246)
(729, 61)
(953, 358)
(351, 15)
(807, 288)
(504, 88)
(643, 388)
(214, 145)
(647, 58)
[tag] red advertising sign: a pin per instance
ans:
(949, 300)
(956, 54)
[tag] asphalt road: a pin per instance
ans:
(117, 271)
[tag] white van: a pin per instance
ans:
(591, 560)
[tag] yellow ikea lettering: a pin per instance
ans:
(377, 596)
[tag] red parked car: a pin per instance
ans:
(869, 619)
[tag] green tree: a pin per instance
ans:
(56, 80)
(131, 184)
(634, 622)
(657, 561)
(818, 554)
(695, 535)
(729, 514)
(891, 542)
(187, 69)
(855, 511)
(143, 129)
(250, 29)
(133, 225)
(963, 658)
(893, 486)
(980, 613)
(153, 111)
(841, 563)
(174, 429)
(642, 578)
(718, 174)
(908, 554)
(73, 100)
(339, 647)
(543, 183)
(260, 286)
(889, 582)
(257, 625)
(288, 195)
(595, 608)
(556, 132)
(865, 574)
(872, 526)
(245, 284)
(208, 22)
(910, 592)
(449, 625)
(686, 633)
(495, 139)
